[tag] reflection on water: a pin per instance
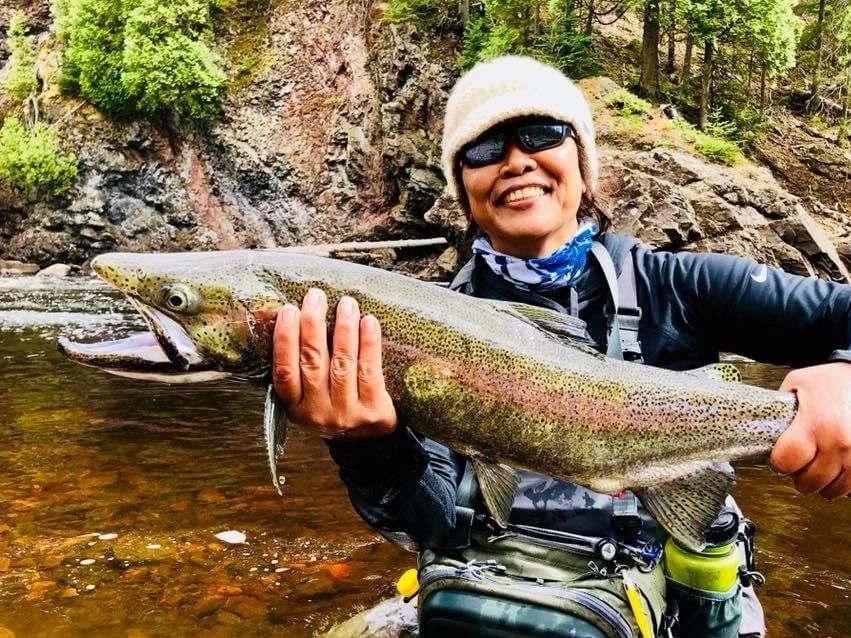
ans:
(112, 491)
(85, 456)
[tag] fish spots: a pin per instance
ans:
(473, 375)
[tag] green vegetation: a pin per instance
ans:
(31, 161)
(627, 105)
(20, 80)
(545, 29)
(92, 59)
(565, 46)
(736, 58)
(712, 144)
(429, 14)
(129, 56)
(166, 63)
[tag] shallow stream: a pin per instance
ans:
(112, 492)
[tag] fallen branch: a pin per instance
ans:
(820, 134)
(328, 250)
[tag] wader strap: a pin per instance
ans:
(623, 340)
(465, 497)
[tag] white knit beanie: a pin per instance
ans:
(507, 87)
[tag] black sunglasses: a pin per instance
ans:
(532, 137)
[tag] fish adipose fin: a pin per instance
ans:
(566, 328)
(498, 483)
(719, 372)
(275, 426)
(687, 507)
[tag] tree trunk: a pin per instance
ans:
(464, 11)
(816, 79)
(589, 22)
(687, 61)
(762, 89)
(708, 50)
(536, 28)
(672, 46)
(649, 80)
(750, 77)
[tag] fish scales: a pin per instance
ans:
(478, 375)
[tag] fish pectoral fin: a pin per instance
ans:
(718, 372)
(686, 507)
(498, 483)
(275, 428)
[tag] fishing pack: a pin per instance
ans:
(513, 585)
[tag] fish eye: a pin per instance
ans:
(178, 298)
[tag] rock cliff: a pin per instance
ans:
(330, 132)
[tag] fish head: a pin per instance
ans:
(209, 315)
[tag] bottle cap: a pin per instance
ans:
(407, 585)
(724, 530)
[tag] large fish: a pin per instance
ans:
(506, 384)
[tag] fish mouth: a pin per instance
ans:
(164, 352)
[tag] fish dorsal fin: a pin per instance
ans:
(686, 507)
(718, 372)
(498, 483)
(275, 428)
(566, 328)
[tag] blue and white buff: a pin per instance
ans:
(557, 270)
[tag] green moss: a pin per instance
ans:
(246, 26)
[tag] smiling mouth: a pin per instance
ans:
(527, 192)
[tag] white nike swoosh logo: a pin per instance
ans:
(761, 275)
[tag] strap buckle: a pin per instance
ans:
(625, 520)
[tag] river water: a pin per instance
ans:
(112, 492)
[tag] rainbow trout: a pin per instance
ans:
(506, 384)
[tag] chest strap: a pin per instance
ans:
(623, 341)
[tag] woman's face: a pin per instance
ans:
(527, 202)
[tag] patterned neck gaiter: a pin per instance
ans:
(557, 270)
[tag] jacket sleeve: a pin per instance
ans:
(403, 485)
(748, 308)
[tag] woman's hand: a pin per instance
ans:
(816, 449)
(341, 394)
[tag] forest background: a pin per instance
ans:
(109, 100)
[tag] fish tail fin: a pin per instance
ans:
(686, 507)
(275, 429)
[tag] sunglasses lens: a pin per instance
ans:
(490, 147)
(485, 150)
(538, 137)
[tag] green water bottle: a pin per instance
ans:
(716, 568)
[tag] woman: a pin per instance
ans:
(520, 156)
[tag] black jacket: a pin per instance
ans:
(694, 306)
